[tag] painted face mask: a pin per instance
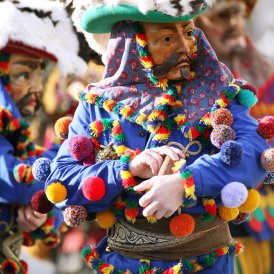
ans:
(26, 83)
(171, 46)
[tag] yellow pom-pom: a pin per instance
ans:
(228, 214)
(252, 201)
(56, 192)
(105, 219)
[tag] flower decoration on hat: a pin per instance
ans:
(56, 192)
(74, 215)
(231, 153)
(41, 169)
(266, 127)
(40, 202)
(267, 159)
(61, 127)
(94, 188)
(23, 174)
(80, 147)
(247, 96)
(221, 134)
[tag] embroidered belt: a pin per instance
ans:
(154, 241)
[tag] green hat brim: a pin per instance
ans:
(102, 19)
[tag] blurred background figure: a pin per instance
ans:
(225, 26)
(33, 33)
(261, 27)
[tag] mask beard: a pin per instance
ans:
(160, 71)
(24, 101)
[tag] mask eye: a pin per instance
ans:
(190, 33)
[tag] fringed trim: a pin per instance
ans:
(18, 132)
(4, 70)
(189, 186)
(14, 267)
(210, 208)
(49, 235)
(91, 256)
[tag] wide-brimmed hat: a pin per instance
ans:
(97, 17)
(42, 29)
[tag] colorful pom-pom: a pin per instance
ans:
(221, 116)
(252, 201)
(56, 192)
(241, 218)
(94, 188)
(74, 215)
(23, 174)
(234, 194)
(61, 127)
(40, 202)
(105, 219)
(267, 159)
(221, 134)
(182, 225)
(41, 169)
(247, 98)
(231, 153)
(228, 214)
(266, 127)
(80, 147)
(89, 160)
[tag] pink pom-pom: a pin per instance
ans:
(267, 159)
(266, 127)
(221, 134)
(80, 147)
(221, 116)
(74, 215)
(94, 188)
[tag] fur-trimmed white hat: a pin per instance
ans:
(95, 18)
(41, 28)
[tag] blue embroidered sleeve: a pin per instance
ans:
(72, 172)
(211, 174)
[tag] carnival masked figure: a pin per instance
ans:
(162, 152)
(32, 32)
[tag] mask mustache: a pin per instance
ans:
(161, 70)
(25, 100)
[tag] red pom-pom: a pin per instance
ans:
(266, 127)
(94, 188)
(250, 87)
(221, 116)
(61, 127)
(182, 225)
(40, 202)
(80, 147)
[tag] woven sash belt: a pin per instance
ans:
(154, 241)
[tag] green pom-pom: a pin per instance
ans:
(247, 98)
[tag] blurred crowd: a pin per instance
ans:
(241, 33)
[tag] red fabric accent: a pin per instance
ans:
(265, 87)
(16, 47)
